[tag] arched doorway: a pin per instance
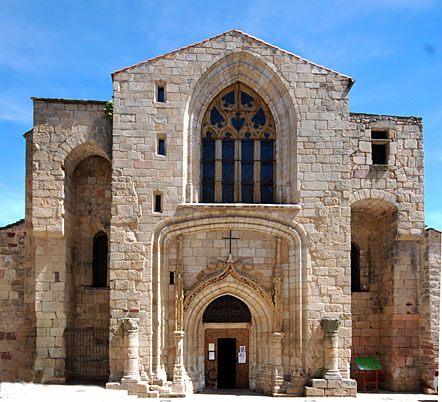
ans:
(227, 321)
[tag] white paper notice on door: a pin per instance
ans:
(241, 357)
(211, 355)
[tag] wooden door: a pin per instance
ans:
(211, 349)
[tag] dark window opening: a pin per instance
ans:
(379, 147)
(379, 154)
(379, 135)
(160, 94)
(99, 264)
(158, 207)
(161, 147)
(355, 269)
(172, 278)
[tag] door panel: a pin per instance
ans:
(241, 336)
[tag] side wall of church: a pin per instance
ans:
(401, 180)
(387, 203)
(13, 357)
(65, 133)
(430, 285)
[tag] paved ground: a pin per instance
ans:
(85, 393)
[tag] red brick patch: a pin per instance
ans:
(6, 356)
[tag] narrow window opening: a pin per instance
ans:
(172, 278)
(160, 94)
(355, 268)
(378, 135)
(99, 263)
(161, 146)
(158, 206)
(379, 147)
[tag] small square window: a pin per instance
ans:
(161, 147)
(161, 94)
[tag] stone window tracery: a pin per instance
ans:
(237, 155)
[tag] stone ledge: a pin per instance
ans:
(237, 205)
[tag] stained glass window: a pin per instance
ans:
(238, 134)
(208, 169)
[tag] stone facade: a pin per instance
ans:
(337, 266)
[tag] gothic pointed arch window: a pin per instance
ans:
(238, 151)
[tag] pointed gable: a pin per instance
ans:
(236, 36)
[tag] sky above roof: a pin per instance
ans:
(61, 49)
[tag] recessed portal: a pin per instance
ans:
(227, 320)
(226, 363)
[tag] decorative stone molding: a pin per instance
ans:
(278, 369)
(233, 269)
(179, 287)
(277, 288)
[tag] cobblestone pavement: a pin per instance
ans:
(85, 393)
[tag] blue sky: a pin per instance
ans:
(67, 49)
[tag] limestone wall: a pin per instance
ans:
(430, 307)
(310, 107)
(399, 182)
(13, 358)
(91, 215)
(65, 132)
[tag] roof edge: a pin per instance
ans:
(385, 115)
(241, 33)
(62, 100)
(20, 222)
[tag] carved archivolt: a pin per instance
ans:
(235, 270)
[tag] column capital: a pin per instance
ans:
(131, 324)
(330, 324)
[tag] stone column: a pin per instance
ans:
(330, 326)
(178, 377)
(131, 372)
(278, 370)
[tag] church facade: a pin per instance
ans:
(231, 226)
